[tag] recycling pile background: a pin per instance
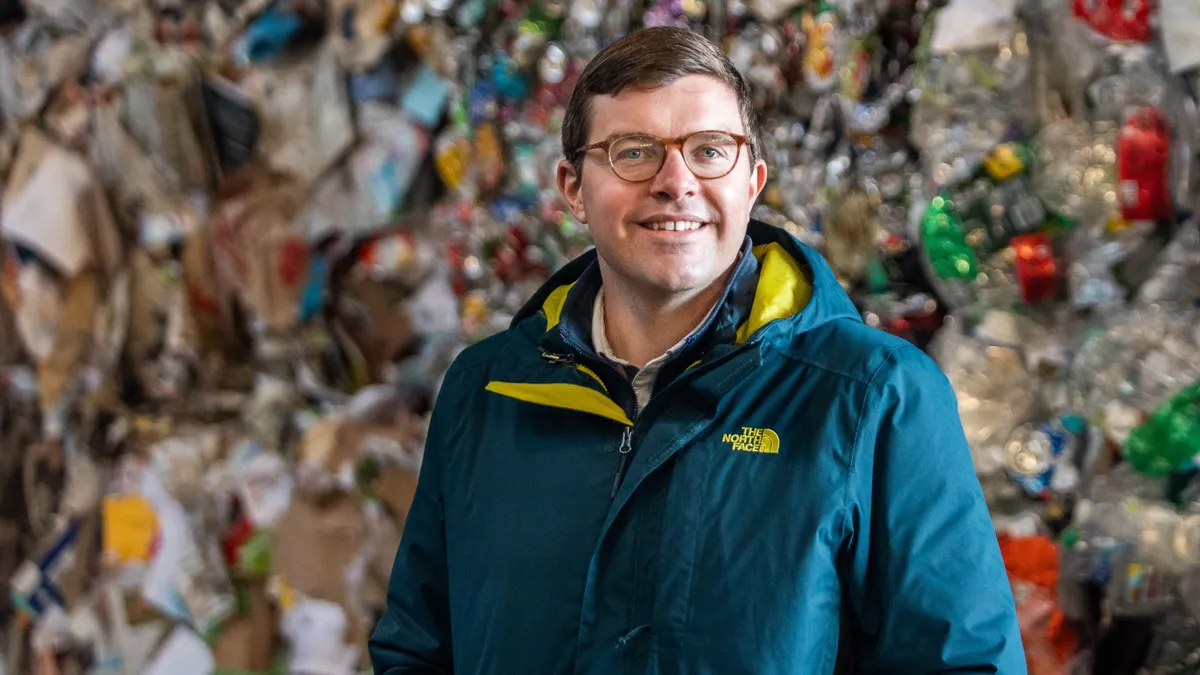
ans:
(242, 241)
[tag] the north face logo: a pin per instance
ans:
(753, 440)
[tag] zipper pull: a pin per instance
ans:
(564, 359)
(625, 449)
(627, 441)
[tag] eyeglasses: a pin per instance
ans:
(639, 157)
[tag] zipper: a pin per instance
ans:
(625, 449)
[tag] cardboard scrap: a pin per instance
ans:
(163, 114)
(10, 346)
(36, 295)
(395, 487)
(152, 298)
(257, 256)
(125, 167)
(209, 303)
(306, 120)
(54, 205)
(34, 62)
(379, 324)
(315, 545)
(73, 341)
(246, 641)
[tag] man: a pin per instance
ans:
(688, 455)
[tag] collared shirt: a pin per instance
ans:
(643, 379)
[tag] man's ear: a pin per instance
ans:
(570, 186)
(758, 180)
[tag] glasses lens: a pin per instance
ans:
(636, 158)
(711, 154)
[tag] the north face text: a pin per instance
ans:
(753, 440)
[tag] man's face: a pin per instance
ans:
(621, 216)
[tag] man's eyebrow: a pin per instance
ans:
(623, 132)
(617, 134)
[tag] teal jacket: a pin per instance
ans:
(796, 498)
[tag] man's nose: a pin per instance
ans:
(675, 180)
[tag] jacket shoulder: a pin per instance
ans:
(479, 354)
(860, 352)
(469, 372)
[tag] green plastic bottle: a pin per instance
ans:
(945, 242)
(1169, 438)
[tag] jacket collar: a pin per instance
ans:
(761, 309)
(792, 276)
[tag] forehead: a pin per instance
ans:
(691, 103)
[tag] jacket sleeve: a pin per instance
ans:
(413, 635)
(928, 591)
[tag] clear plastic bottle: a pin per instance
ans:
(1146, 575)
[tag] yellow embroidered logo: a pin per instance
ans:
(753, 440)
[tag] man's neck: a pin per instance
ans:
(640, 329)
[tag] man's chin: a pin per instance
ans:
(672, 285)
(664, 277)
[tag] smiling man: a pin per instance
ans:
(688, 455)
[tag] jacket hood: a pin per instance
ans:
(792, 277)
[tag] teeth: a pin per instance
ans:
(676, 225)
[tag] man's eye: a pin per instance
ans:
(630, 153)
(710, 152)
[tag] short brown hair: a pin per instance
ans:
(648, 58)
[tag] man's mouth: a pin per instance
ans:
(674, 225)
